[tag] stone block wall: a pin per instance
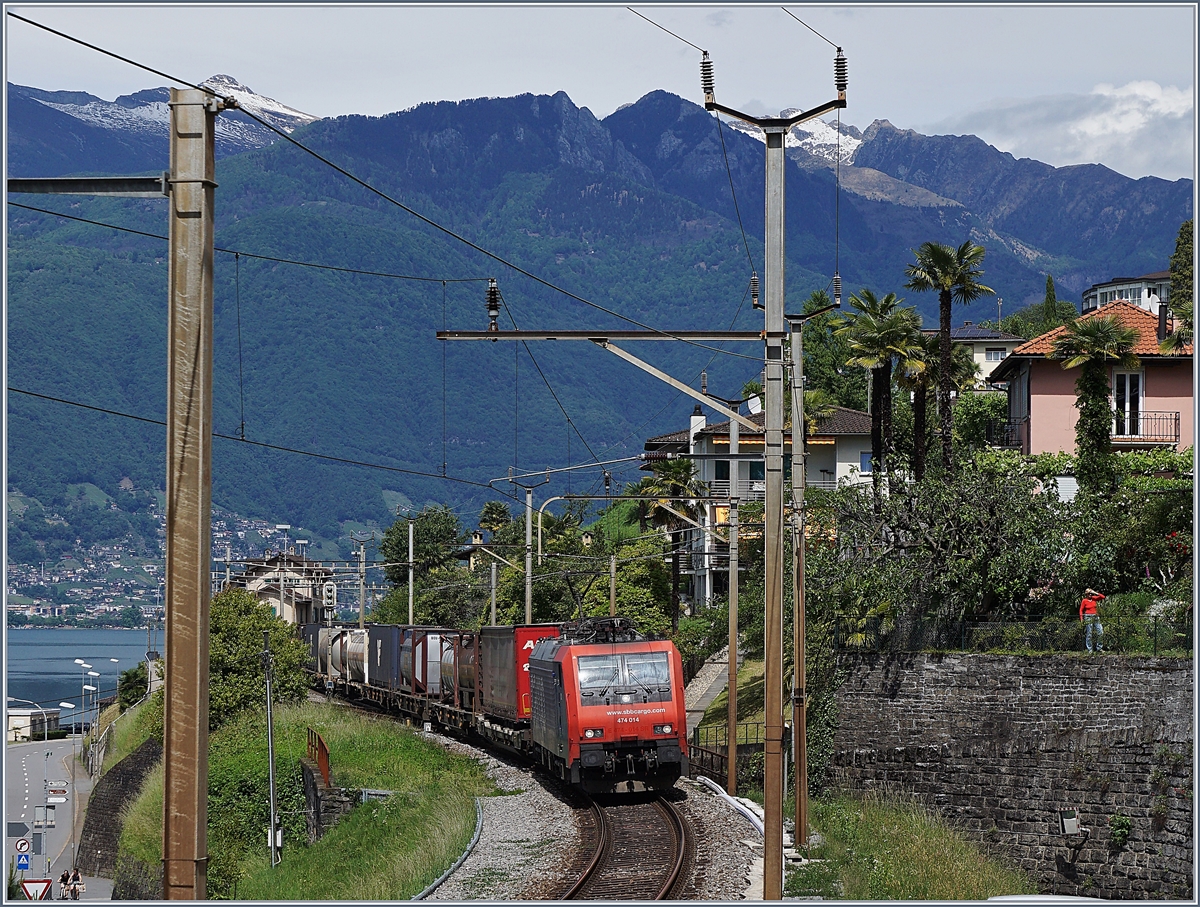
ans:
(998, 744)
(326, 805)
(115, 790)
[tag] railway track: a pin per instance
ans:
(642, 847)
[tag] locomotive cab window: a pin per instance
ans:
(632, 677)
(598, 674)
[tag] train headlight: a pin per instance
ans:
(663, 728)
(593, 733)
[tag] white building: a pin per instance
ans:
(838, 451)
(30, 724)
(1146, 291)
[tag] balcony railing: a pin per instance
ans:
(756, 489)
(1145, 428)
(1008, 434)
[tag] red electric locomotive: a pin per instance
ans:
(608, 707)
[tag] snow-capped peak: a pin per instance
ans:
(275, 113)
(817, 137)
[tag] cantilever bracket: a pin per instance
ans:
(678, 385)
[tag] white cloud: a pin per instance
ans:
(1139, 129)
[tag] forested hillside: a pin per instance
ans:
(633, 213)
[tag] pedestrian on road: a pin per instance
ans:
(1090, 618)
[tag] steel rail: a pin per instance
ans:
(602, 831)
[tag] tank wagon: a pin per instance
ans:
(595, 702)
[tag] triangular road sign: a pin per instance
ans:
(36, 889)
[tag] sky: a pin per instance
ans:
(1065, 84)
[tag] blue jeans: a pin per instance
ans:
(1090, 621)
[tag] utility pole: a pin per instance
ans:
(775, 129)
(731, 725)
(274, 833)
(189, 492)
(523, 482)
(493, 593)
(411, 524)
(362, 583)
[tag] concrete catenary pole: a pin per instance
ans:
(189, 493)
(773, 529)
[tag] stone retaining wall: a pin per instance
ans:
(115, 790)
(999, 744)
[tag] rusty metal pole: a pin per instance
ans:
(731, 728)
(612, 586)
(189, 494)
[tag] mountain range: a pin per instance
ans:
(633, 212)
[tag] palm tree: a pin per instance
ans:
(1092, 344)
(954, 274)
(918, 382)
(641, 509)
(674, 479)
(880, 334)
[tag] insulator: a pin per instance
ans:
(837, 291)
(841, 76)
(493, 304)
(754, 291)
(704, 381)
(706, 76)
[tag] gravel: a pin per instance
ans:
(530, 838)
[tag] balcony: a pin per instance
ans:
(745, 489)
(1145, 429)
(1009, 434)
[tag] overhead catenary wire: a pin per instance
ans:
(283, 134)
(260, 257)
(546, 381)
(267, 446)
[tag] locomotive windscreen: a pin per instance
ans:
(631, 677)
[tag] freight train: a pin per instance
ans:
(595, 702)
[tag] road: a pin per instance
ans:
(27, 768)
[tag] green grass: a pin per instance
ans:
(129, 732)
(384, 850)
(751, 691)
(890, 848)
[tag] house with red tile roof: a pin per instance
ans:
(1152, 404)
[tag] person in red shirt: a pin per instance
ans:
(1089, 616)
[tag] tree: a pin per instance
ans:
(1049, 303)
(670, 480)
(1182, 298)
(918, 382)
(1182, 287)
(880, 334)
(954, 274)
(132, 685)
(825, 355)
(235, 670)
(437, 535)
(1092, 344)
(494, 516)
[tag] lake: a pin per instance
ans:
(40, 662)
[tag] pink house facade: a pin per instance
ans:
(1152, 404)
